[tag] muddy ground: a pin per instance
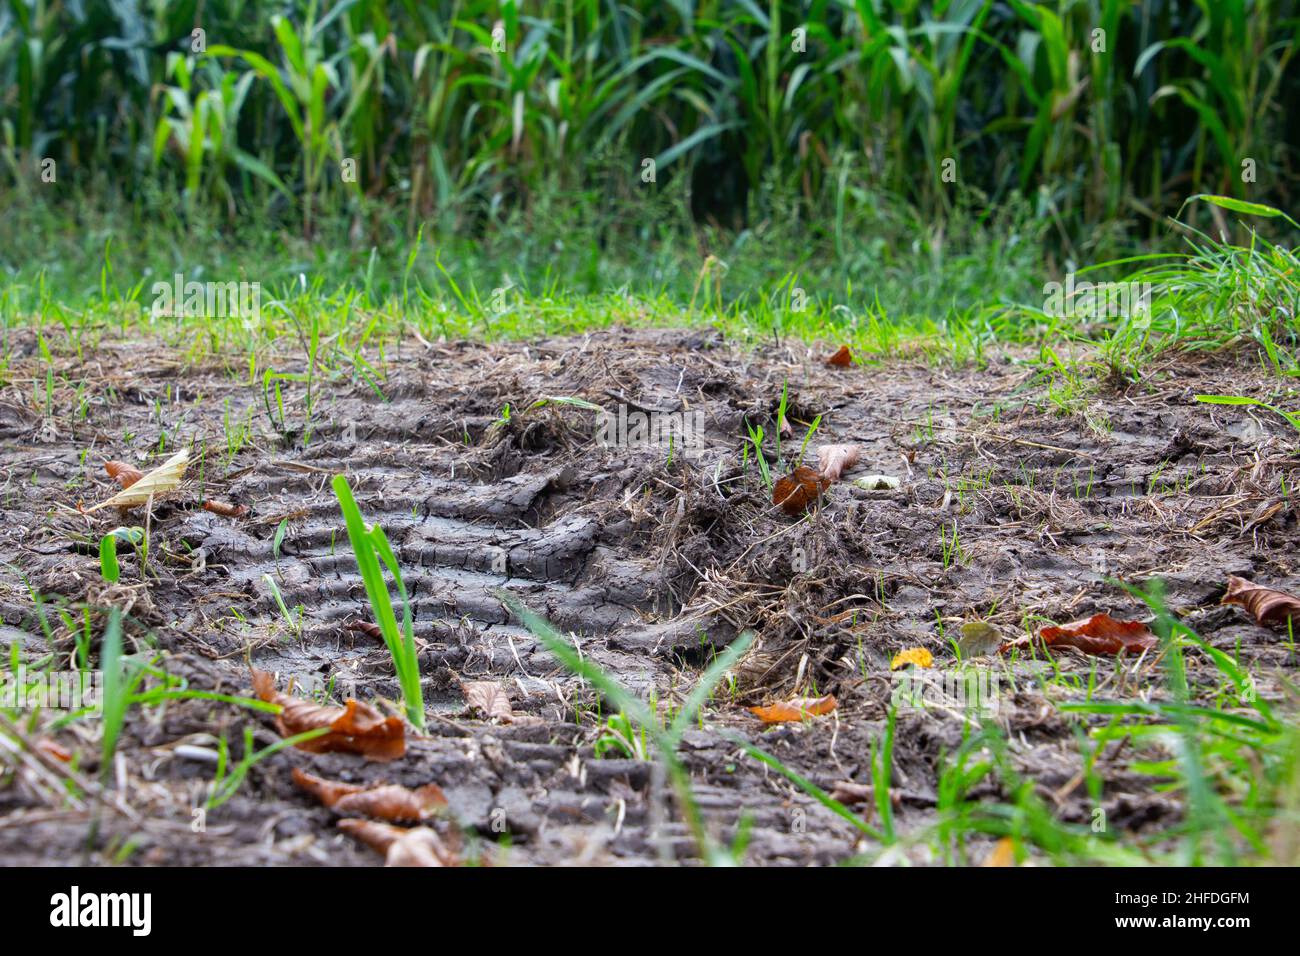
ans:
(649, 560)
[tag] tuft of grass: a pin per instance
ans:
(227, 779)
(640, 719)
(293, 619)
(370, 546)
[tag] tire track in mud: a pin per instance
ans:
(639, 561)
(457, 544)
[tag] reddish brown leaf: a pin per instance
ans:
(52, 748)
(389, 802)
(797, 490)
(225, 508)
(835, 459)
(417, 846)
(798, 708)
(355, 728)
(1271, 608)
(368, 628)
(124, 474)
(841, 359)
(1100, 634)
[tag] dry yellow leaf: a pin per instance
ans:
(1002, 854)
(913, 655)
(166, 477)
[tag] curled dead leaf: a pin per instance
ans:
(835, 459)
(783, 426)
(842, 358)
(52, 748)
(225, 508)
(797, 708)
(390, 802)
(1270, 607)
(489, 698)
(354, 728)
(166, 477)
(123, 473)
(416, 846)
(369, 628)
(913, 655)
(797, 490)
(1097, 635)
(848, 792)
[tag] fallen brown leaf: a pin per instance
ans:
(797, 490)
(368, 628)
(835, 459)
(355, 728)
(797, 708)
(841, 359)
(417, 846)
(225, 508)
(1271, 608)
(52, 748)
(390, 802)
(124, 474)
(979, 638)
(848, 792)
(1099, 634)
(489, 698)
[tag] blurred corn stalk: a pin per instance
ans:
(465, 110)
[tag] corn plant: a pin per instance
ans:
(474, 108)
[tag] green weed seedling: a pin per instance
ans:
(1292, 417)
(641, 718)
(124, 686)
(370, 546)
(620, 737)
(108, 566)
(226, 782)
(293, 619)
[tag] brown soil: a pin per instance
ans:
(648, 563)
